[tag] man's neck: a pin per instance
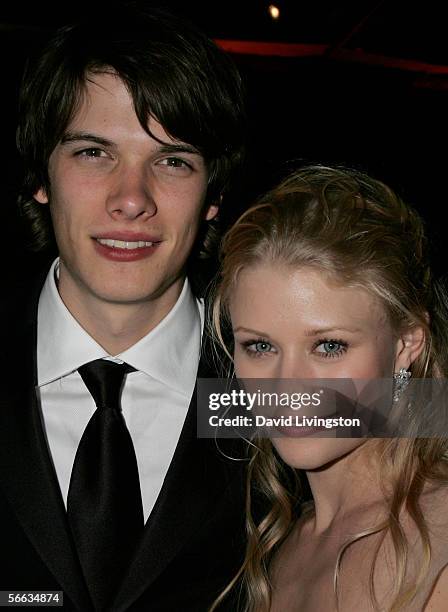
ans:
(117, 326)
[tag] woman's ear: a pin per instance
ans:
(41, 196)
(409, 346)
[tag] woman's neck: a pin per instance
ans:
(345, 487)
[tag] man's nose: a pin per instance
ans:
(131, 194)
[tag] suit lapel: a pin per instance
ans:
(195, 481)
(27, 475)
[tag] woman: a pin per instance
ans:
(327, 277)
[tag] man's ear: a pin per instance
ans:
(213, 209)
(41, 196)
(409, 346)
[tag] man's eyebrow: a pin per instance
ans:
(165, 148)
(178, 148)
(86, 136)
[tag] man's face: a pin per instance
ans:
(125, 208)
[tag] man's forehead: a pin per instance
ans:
(105, 92)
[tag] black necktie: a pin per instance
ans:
(104, 502)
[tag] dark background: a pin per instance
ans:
(366, 84)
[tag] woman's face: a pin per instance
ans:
(297, 324)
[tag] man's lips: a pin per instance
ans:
(127, 240)
(127, 236)
(126, 246)
(122, 244)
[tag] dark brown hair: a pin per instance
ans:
(173, 72)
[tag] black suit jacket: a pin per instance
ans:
(193, 540)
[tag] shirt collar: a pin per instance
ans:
(169, 353)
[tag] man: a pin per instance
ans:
(130, 129)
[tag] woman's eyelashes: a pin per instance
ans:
(257, 347)
(324, 348)
(329, 348)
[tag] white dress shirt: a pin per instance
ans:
(155, 398)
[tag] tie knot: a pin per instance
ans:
(104, 380)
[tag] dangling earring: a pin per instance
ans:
(401, 381)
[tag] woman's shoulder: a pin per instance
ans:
(434, 504)
(438, 597)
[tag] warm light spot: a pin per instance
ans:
(274, 11)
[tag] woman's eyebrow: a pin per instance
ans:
(335, 328)
(250, 331)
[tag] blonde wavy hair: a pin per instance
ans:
(360, 232)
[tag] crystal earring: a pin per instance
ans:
(401, 381)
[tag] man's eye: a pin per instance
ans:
(91, 153)
(174, 162)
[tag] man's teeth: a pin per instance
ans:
(122, 244)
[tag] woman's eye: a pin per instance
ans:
(262, 347)
(257, 348)
(330, 348)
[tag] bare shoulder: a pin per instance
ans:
(438, 598)
(434, 504)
